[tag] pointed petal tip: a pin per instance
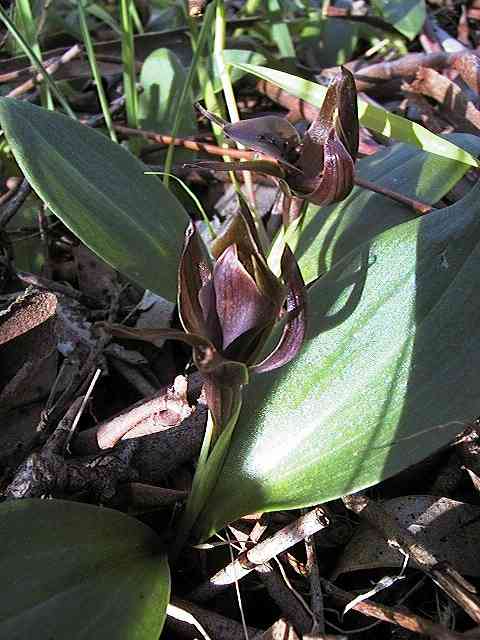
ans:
(294, 331)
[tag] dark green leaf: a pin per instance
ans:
(77, 571)
(388, 375)
(100, 192)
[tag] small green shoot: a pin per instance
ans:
(128, 58)
(202, 39)
(95, 71)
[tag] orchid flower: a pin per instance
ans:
(319, 168)
(228, 311)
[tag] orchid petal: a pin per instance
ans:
(220, 122)
(336, 180)
(294, 331)
(272, 135)
(268, 167)
(319, 129)
(242, 232)
(193, 274)
(240, 305)
(208, 303)
(347, 121)
(339, 111)
(152, 335)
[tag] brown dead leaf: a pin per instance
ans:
(447, 528)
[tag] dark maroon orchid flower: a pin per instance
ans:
(319, 168)
(228, 311)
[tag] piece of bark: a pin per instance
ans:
(138, 497)
(369, 77)
(27, 349)
(167, 408)
(48, 472)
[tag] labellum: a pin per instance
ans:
(228, 311)
(319, 168)
(270, 135)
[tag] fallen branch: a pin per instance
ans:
(247, 561)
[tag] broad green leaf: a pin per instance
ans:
(407, 16)
(99, 191)
(375, 118)
(388, 375)
(76, 571)
(162, 79)
(327, 234)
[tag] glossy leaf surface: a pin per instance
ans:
(327, 234)
(376, 118)
(78, 571)
(100, 192)
(389, 372)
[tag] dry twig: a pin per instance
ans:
(264, 551)
(51, 68)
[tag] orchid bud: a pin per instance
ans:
(321, 168)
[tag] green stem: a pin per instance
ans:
(36, 62)
(207, 22)
(128, 59)
(25, 22)
(95, 71)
